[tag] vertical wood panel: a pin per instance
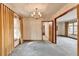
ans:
(66, 28)
(11, 30)
(9, 47)
(2, 33)
(78, 30)
(0, 30)
(6, 30)
(50, 32)
(54, 29)
(21, 28)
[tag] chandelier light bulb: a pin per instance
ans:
(36, 14)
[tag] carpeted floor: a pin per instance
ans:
(45, 48)
(67, 44)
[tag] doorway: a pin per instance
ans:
(47, 30)
(66, 33)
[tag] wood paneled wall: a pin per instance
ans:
(78, 30)
(1, 51)
(54, 29)
(6, 30)
(66, 28)
(21, 28)
(50, 32)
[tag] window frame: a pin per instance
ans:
(73, 28)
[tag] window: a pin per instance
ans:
(16, 28)
(72, 28)
(75, 28)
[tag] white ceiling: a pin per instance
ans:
(70, 17)
(25, 9)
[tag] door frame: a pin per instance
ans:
(55, 19)
(42, 26)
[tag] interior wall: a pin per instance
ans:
(21, 29)
(32, 29)
(61, 28)
(6, 34)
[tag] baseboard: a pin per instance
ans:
(30, 40)
(67, 36)
(62, 35)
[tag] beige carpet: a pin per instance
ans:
(64, 47)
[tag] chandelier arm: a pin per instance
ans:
(36, 14)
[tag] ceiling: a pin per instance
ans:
(25, 9)
(69, 17)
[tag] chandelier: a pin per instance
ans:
(36, 14)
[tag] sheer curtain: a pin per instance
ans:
(17, 33)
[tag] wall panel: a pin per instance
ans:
(1, 14)
(21, 29)
(78, 30)
(6, 30)
(66, 28)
